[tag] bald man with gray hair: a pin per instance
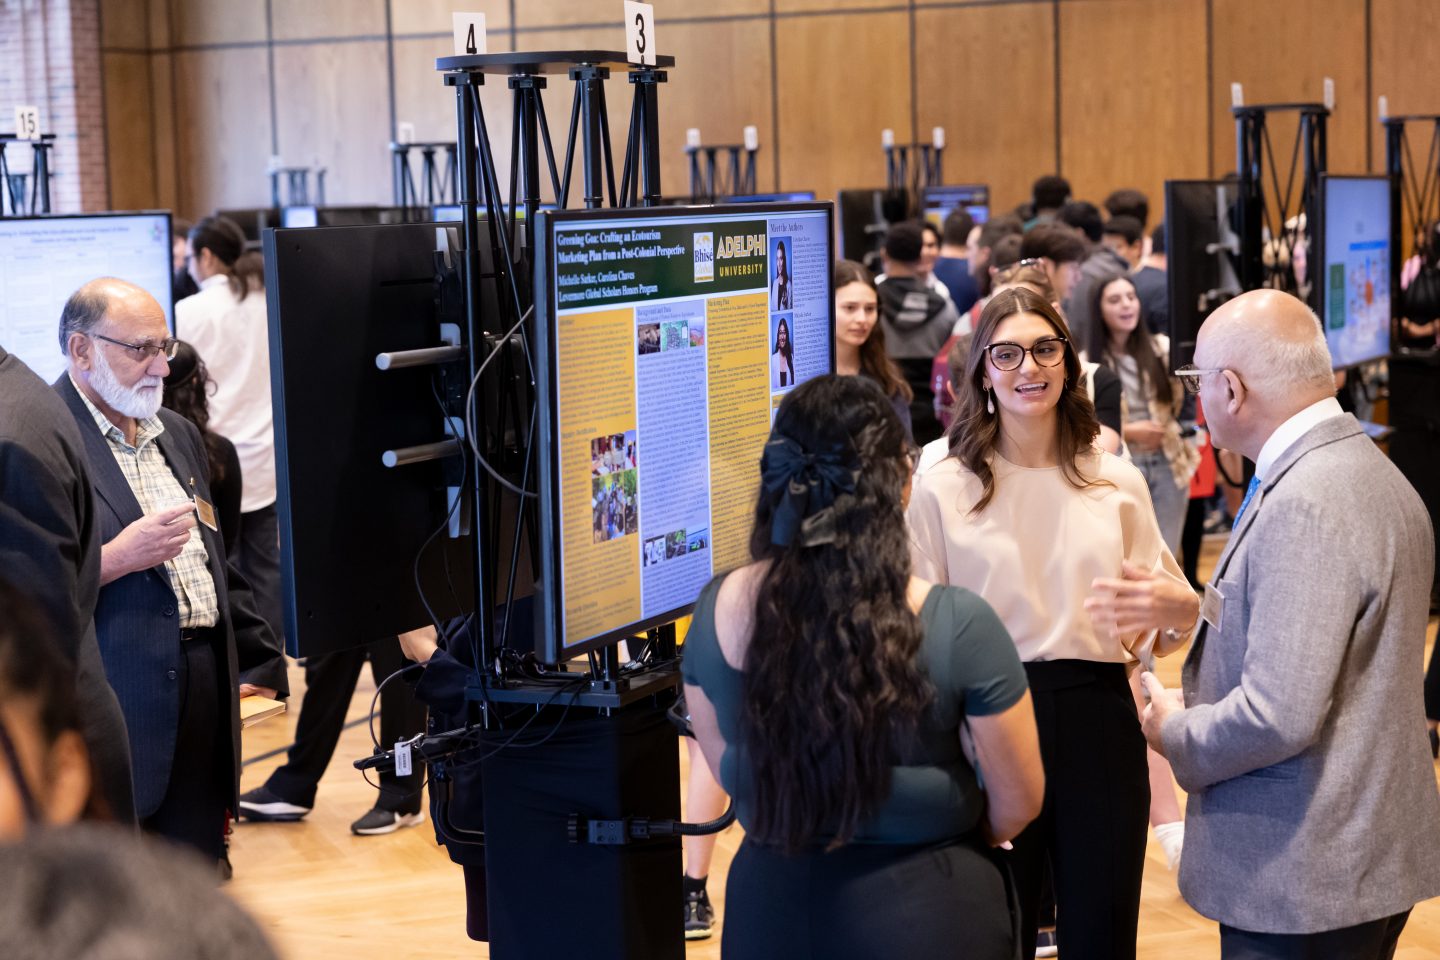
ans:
(1313, 824)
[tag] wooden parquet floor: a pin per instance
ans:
(322, 893)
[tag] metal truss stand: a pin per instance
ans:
(1414, 190)
(13, 202)
(297, 186)
(437, 181)
(708, 184)
(928, 169)
(1257, 162)
(512, 277)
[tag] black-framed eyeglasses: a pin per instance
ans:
(144, 352)
(1190, 376)
(1047, 351)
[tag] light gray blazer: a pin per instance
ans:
(1313, 803)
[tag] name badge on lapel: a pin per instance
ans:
(1212, 608)
(203, 509)
(206, 513)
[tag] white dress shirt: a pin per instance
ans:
(1293, 429)
(233, 338)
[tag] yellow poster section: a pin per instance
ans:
(738, 341)
(597, 399)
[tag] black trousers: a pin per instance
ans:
(257, 557)
(1091, 828)
(329, 684)
(1192, 537)
(867, 901)
(192, 812)
(1375, 940)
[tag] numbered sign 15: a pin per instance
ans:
(27, 123)
(469, 33)
(640, 33)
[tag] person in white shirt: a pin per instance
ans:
(227, 324)
(1060, 538)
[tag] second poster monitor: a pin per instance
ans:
(668, 338)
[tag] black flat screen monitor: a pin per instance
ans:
(865, 218)
(350, 527)
(659, 375)
(937, 202)
(1202, 250)
(45, 259)
(450, 212)
(796, 196)
(253, 222)
(300, 216)
(1356, 246)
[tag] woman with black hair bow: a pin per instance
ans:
(829, 690)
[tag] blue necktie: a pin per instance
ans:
(1249, 494)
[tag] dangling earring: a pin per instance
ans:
(990, 402)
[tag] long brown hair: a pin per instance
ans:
(975, 431)
(831, 679)
(1139, 344)
(875, 363)
(187, 392)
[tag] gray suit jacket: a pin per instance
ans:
(1313, 803)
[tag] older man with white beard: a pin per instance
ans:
(176, 625)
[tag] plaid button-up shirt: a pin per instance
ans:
(156, 487)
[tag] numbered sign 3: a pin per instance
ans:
(469, 33)
(640, 33)
(27, 123)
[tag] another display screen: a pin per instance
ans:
(1356, 278)
(299, 217)
(939, 201)
(450, 212)
(45, 259)
(675, 336)
(799, 196)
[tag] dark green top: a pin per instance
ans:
(970, 661)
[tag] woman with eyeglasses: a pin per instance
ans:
(227, 324)
(1059, 538)
(1152, 431)
(830, 690)
(859, 341)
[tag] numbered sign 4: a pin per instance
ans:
(640, 33)
(27, 123)
(469, 33)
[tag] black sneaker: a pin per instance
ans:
(379, 821)
(263, 806)
(699, 916)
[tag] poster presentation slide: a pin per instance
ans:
(1357, 269)
(44, 260)
(676, 336)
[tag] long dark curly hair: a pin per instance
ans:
(831, 681)
(187, 391)
(975, 431)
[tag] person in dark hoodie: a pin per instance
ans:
(916, 321)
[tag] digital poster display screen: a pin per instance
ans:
(1355, 296)
(45, 259)
(670, 338)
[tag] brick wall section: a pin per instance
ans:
(50, 57)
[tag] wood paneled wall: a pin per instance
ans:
(1111, 93)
